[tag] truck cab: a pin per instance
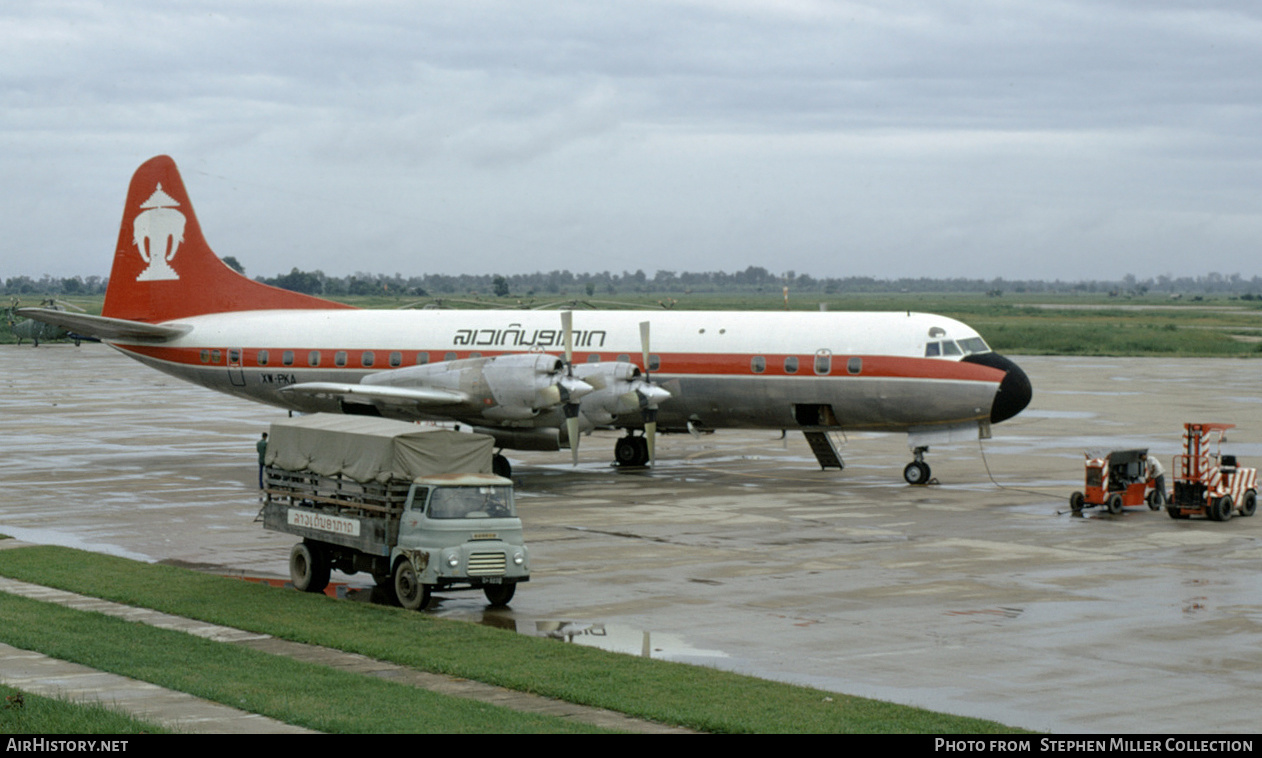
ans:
(459, 531)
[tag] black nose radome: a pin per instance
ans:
(1014, 391)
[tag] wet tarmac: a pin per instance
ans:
(972, 596)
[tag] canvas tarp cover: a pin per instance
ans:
(374, 449)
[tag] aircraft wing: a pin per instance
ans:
(104, 327)
(416, 396)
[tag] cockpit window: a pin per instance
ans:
(949, 347)
(975, 345)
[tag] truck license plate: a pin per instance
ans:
(492, 580)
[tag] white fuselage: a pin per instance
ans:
(850, 370)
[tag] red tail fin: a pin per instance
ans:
(163, 268)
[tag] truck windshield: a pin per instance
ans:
(472, 502)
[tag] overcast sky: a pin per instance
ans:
(1059, 139)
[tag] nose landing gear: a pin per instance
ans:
(917, 472)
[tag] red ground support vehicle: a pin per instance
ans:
(1208, 483)
(1115, 479)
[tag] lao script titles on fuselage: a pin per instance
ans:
(514, 335)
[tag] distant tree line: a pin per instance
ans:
(753, 279)
(50, 285)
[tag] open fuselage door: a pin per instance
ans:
(818, 419)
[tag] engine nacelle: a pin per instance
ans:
(504, 387)
(620, 388)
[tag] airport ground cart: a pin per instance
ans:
(1208, 482)
(1115, 480)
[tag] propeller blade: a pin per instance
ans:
(567, 326)
(571, 408)
(650, 396)
(644, 344)
(571, 430)
(650, 435)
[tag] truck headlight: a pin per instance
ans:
(454, 560)
(518, 559)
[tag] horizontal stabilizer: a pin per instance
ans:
(397, 395)
(103, 327)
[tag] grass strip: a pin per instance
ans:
(306, 694)
(699, 698)
(24, 713)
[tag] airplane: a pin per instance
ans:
(532, 380)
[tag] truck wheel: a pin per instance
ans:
(308, 568)
(1115, 503)
(1076, 501)
(501, 467)
(499, 594)
(1175, 512)
(408, 588)
(1220, 510)
(1249, 505)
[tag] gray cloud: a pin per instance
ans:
(1061, 139)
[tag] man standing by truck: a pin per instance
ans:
(1157, 475)
(262, 448)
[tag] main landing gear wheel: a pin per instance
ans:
(501, 467)
(411, 594)
(499, 595)
(631, 451)
(916, 472)
(308, 568)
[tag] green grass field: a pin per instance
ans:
(699, 698)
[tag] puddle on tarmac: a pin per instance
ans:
(614, 638)
(1110, 393)
(1058, 414)
(63, 539)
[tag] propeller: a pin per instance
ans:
(571, 407)
(649, 396)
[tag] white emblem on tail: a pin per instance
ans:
(157, 233)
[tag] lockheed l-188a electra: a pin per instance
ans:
(538, 380)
